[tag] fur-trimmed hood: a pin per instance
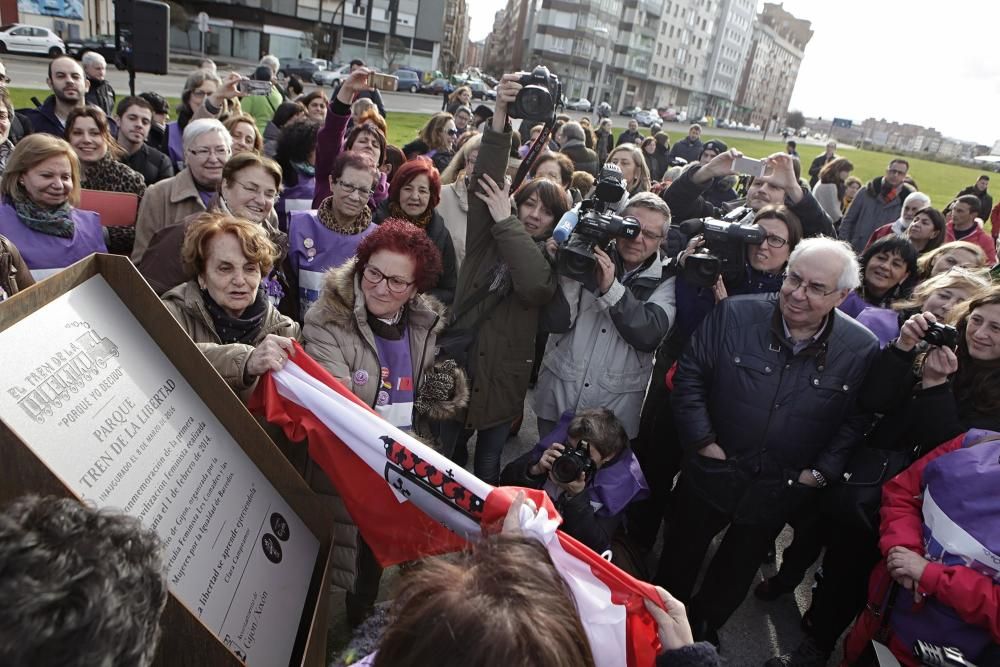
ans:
(340, 303)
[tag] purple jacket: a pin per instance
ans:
(46, 254)
(175, 146)
(295, 198)
(329, 144)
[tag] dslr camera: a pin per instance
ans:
(572, 462)
(724, 252)
(537, 98)
(941, 335)
(597, 226)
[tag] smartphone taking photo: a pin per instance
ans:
(253, 87)
(746, 165)
(382, 81)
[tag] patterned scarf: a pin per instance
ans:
(422, 220)
(52, 221)
(242, 329)
(360, 223)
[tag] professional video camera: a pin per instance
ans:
(537, 98)
(724, 252)
(594, 225)
(568, 466)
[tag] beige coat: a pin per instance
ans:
(454, 210)
(185, 303)
(337, 335)
(165, 203)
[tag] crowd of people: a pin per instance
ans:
(683, 385)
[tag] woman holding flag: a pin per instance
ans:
(374, 329)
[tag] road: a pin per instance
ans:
(757, 631)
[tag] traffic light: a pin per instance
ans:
(142, 33)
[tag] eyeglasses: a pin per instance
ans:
(4, 78)
(396, 284)
(651, 236)
(204, 153)
(775, 241)
(358, 190)
(453, 132)
(812, 290)
(254, 190)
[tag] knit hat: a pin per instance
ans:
(715, 145)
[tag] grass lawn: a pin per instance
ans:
(940, 181)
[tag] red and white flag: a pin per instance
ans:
(409, 502)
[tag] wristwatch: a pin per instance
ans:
(818, 476)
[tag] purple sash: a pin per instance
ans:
(45, 254)
(616, 484)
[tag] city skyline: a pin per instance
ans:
(872, 71)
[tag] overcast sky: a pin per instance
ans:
(933, 63)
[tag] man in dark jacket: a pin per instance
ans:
(69, 88)
(632, 135)
(100, 94)
(161, 114)
(689, 148)
(779, 185)
(979, 191)
(878, 203)
(135, 117)
(572, 144)
(820, 161)
(765, 399)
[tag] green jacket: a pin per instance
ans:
(262, 107)
(501, 358)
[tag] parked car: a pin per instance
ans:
(103, 44)
(30, 39)
(581, 104)
(630, 111)
(437, 87)
(332, 76)
(320, 62)
(304, 69)
(408, 80)
(647, 118)
(480, 91)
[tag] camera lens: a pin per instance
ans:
(534, 102)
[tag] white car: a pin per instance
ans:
(582, 104)
(30, 39)
(331, 77)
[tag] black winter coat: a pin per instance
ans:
(773, 412)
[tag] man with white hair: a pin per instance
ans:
(572, 144)
(911, 206)
(101, 94)
(764, 398)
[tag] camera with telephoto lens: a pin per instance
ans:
(933, 655)
(572, 462)
(597, 226)
(537, 98)
(724, 251)
(941, 335)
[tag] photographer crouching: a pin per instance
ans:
(613, 305)
(586, 467)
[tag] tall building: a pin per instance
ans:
(473, 54)
(765, 90)
(456, 26)
(680, 62)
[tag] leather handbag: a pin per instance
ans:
(855, 498)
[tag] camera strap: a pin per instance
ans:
(533, 153)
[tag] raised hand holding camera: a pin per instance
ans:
(781, 174)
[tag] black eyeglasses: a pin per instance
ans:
(4, 78)
(396, 284)
(453, 132)
(813, 290)
(775, 241)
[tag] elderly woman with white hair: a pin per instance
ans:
(207, 148)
